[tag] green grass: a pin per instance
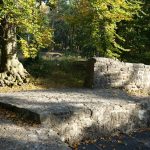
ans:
(62, 72)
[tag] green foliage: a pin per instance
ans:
(137, 35)
(90, 27)
(30, 20)
(109, 28)
(96, 24)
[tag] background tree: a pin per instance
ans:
(91, 26)
(97, 21)
(26, 20)
(137, 36)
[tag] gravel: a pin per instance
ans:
(17, 134)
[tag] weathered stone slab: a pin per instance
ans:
(76, 114)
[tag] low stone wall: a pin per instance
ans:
(113, 73)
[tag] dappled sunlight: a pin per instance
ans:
(62, 79)
(76, 114)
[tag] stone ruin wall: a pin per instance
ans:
(110, 73)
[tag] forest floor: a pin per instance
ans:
(55, 73)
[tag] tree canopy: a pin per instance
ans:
(92, 25)
(23, 25)
(31, 22)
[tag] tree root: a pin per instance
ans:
(9, 79)
(14, 75)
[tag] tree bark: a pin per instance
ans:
(12, 71)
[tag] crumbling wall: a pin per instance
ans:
(113, 73)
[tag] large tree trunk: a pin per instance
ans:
(12, 71)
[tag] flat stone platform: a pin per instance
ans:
(76, 114)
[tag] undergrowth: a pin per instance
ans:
(57, 72)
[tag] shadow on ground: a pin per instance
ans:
(86, 114)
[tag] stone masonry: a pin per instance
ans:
(110, 73)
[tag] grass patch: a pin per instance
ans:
(57, 73)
